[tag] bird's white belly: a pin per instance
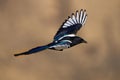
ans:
(59, 47)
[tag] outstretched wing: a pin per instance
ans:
(72, 24)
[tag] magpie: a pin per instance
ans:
(66, 35)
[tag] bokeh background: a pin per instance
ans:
(25, 24)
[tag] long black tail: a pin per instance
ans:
(34, 50)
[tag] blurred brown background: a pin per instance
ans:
(25, 24)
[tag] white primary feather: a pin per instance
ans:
(68, 22)
(84, 20)
(74, 18)
(79, 18)
(70, 19)
(84, 16)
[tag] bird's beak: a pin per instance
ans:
(84, 41)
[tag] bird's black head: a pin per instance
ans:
(77, 40)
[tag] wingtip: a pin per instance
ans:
(72, 14)
(77, 11)
(68, 17)
(84, 10)
(81, 10)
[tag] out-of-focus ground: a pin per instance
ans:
(25, 24)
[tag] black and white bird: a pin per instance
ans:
(66, 35)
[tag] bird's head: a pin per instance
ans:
(77, 40)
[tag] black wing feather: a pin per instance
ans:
(72, 24)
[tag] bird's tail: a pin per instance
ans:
(34, 50)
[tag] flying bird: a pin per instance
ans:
(66, 35)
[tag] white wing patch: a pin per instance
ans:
(78, 18)
(69, 35)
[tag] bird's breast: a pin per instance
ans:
(59, 47)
